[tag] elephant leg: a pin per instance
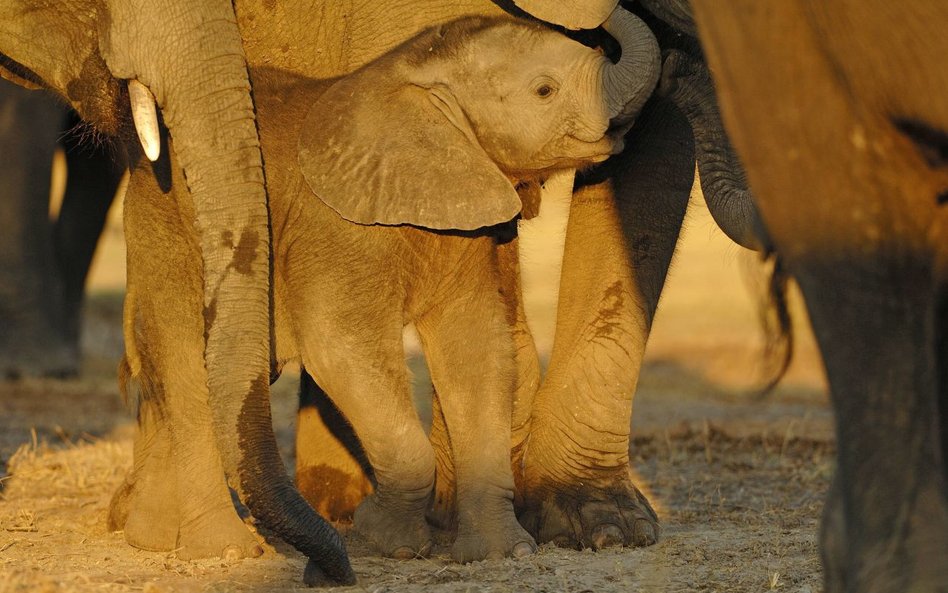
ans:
(476, 405)
(332, 472)
(527, 362)
(32, 341)
(833, 538)
(369, 384)
(886, 525)
(164, 332)
(443, 511)
(93, 176)
(145, 505)
(575, 487)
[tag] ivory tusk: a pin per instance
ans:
(145, 115)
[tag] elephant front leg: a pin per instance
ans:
(355, 354)
(469, 347)
(176, 496)
(527, 362)
(575, 485)
(33, 340)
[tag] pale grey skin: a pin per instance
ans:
(422, 136)
(840, 111)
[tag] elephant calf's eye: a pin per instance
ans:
(545, 91)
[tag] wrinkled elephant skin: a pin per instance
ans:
(345, 286)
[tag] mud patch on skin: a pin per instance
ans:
(245, 252)
(332, 492)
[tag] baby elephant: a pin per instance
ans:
(388, 190)
(390, 193)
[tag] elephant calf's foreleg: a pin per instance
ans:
(469, 347)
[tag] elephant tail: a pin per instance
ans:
(776, 323)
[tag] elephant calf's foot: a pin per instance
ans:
(588, 517)
(399, 533)
(492, 542)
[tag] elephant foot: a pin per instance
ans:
(118, 508)
(149, 520)
(886, 560)
(394, 532)
(587, 516)
(217, 533)
(479, 542)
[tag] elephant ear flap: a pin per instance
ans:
(400, 154)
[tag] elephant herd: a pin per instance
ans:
(319, 174)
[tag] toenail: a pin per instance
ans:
(522, 549)
(231, 554)
(643, 533)
(403, 553)
(607, 535)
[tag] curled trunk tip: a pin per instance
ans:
(628, 83)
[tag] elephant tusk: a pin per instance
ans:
(145, 115)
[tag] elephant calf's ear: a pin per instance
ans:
(390, 154)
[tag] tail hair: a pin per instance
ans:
(776, 323)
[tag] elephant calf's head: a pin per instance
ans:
(433, 133)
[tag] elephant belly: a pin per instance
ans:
(322, 39)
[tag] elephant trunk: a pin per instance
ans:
(628, 83)
(687, 82)
(212, 123)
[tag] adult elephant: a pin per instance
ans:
(840, 112)
(99, 56)
(43, 264)
(571, 433)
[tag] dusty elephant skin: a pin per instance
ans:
(573, 484)
(43, 263)
(414, 138)
(188, 58)
(840, 112)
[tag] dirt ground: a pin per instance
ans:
(738, 481)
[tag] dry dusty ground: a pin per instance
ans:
(738, 481)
